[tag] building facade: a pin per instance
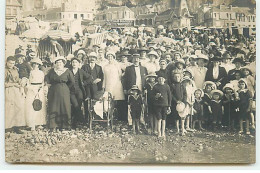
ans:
(116, 17)
(13, 9)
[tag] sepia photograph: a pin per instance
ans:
(151, 82)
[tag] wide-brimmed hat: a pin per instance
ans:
(151, 75)
(238, 59)
(134, 87)
(246, 68)
(177, 52)
(36, 60)
(125, 53)
(75, 58)
(153, 53)
(214, 86)
(111, 53)
(202, 56)
(228, 85)
(96, 45)
(136, 55)
(185, 78)
(212, 43)
(193, 56)
(93, 54)
(216, 92)
(215, 58)
(60, 58)
(189, 71)
(81, 52)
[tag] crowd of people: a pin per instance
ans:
(191, 80)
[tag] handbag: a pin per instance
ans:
(37, 103)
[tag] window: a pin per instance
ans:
(227, 24)
(254, 26)
(14, 11)
(253, 18)
(215, 14)
(233, 24)
(8, 11)
(82, 16)
(75, 16)
(248, 18)
(227, 15)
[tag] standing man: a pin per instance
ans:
(97, 76)
(135, 74)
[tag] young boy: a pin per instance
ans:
(178, 95)
(135, 105)
(150, 83)
(161, 101)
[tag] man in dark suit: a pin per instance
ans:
(97, 76)
(82, 85)
(135, 74)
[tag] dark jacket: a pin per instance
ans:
(131, 77)
(95, 73)
(24, 70)
(222, 76)
(163, 73)
(85, 82)
(166, 97)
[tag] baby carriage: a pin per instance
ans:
(101, 110)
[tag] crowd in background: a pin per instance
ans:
(203, 80)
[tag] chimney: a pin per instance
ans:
(230, 7)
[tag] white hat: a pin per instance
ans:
(202, 56)
(228, 85)
(93, 54)
(111, 53)
(153, 53)
(36, 60)
(69, 57)
(81, 51)
(32, 54)
(60, 58)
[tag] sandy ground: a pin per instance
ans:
(120, 146)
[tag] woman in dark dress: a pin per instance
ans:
(61, 89)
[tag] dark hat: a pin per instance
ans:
(239, 60)
(136, 55)
(216, 58)
(74, 58)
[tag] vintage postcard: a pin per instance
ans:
(130, 81)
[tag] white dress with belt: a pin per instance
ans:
(36, 82)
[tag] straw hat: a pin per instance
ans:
(81, 52)
(151, 75)
(111, 53)
(70, 56)
(93, 54)
(134, 87)
(60, 58)
(36, 60)
(209, 83)
(216, 92)
(153, 53)
(228, 85)
(74, 58)
(32, 54)
(202, 56)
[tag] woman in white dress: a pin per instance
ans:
(36, 89)
(112, 77)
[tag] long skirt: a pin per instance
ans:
(14, 108)
(59, 106)
(33, 117)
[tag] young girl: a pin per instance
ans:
(245, 101)
(208, 86)
(189, 87)
(230, 106)
(151, 82)
(161, 101)
(216, 107)
(35, 89)
(198, 107)
(135, 105)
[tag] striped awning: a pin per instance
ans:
(58, 35)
